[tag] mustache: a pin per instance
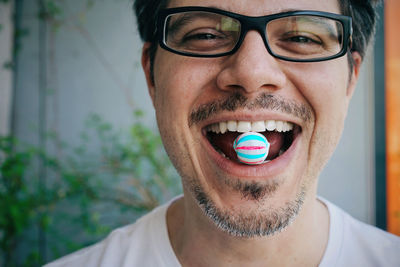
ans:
(239, 101)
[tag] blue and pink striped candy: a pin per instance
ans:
(251, 148)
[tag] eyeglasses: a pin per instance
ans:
(299, 36)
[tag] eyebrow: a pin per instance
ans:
(232, 11)
(331, 30)
(185, 19)
(179, 22)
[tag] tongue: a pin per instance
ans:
(225, 143)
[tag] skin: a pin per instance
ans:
(182, 84)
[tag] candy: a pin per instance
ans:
(251, 148)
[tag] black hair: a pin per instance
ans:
(146, 14)
(363, 13)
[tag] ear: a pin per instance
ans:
(146, 65)
(355, 72)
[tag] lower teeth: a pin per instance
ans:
(225, 156)
(222, 154)
(266, 161)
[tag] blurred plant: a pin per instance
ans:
(87, 193)
(87, 190)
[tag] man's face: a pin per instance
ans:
(191, 94)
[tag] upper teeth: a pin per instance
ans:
(249, 126)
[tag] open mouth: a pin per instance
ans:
(280, 135)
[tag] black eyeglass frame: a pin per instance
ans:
(255, 23)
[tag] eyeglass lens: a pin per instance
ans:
(295, 37)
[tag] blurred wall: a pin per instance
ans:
(6, 37)
(93, 65)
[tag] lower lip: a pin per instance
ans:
(262, 171)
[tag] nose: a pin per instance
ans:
(251, 68)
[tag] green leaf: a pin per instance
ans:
(138, 113)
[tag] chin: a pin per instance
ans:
(250, 209)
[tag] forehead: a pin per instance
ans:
(262, 7)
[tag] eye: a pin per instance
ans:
(200, 36)
(299, 43)
(203, 35)
(205, 39)
(302, 39)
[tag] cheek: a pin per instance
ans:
(181, 83)
(172, 102)
(324, 86)
(171, 86)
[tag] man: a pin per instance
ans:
(216, 69)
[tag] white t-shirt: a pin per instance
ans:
(146, 243)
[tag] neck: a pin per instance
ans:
(198, 242)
